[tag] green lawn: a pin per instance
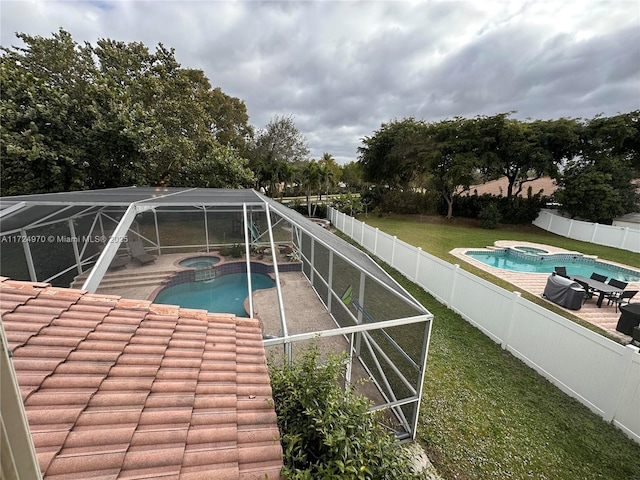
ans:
(486, 415)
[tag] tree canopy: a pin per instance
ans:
(451, 154)
(83, 117)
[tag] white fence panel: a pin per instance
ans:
(436, 276)
(619, 237)
(628, 415)
(600, 373)
(582, 363)
(631, 240)
(608, 235)
(405, 257)
(384, 248)
(369, 238)
(356, 231)
(484, 305)
(582, 231)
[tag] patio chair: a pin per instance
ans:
(562, 271)
(138, 253)
(598, 277)
(588, 291)
(618, 284)
(626, 295)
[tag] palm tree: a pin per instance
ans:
(310, 174)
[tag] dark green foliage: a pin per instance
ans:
(327, 432)
(490, 216)
(319, 210)
(348, 203)
(598, 190)
(399, 201)
(517, 210)
(115, 114)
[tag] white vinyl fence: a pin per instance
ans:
(612, 236)
(600, 373)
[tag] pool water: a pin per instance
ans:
(579, 266)
(225, 294)
(199, 263)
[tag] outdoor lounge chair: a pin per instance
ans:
(624, 297)
(119, 262)
(137, 251)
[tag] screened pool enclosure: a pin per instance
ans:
(81, 237)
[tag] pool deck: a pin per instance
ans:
(605, 317)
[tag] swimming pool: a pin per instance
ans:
(575, 263)
(225, 294)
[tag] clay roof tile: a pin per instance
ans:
(124, 389)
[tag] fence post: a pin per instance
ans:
(515, 296)
(375, 243)
(362, 234)
(418, 255)
(456, 270)
(570, 228)
(393, 251)
(624, 237)
(593, 234)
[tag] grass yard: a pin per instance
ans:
(484, 413)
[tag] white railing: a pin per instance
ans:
(600, 373)
(612, 236)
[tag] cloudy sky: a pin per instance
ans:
(341, 68)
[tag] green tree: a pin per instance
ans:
(351, 175)
(276, 146)
(597, 190)
(329, 173)
(520, 151)
(310, 178)
(453, 157)
(394, 154)
(114, 114)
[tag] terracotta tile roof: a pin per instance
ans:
(125, 389)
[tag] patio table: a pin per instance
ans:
(601, 287)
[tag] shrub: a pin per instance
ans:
(516, 210)
(490, 216)
(328, 432)
(400, 201)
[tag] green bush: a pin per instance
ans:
(515, 210)
(490, 216)
(400, 201)
(327, 431)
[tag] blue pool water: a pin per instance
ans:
(225, 294)
(575, 265)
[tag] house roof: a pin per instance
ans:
(124, 389)
(499, 187)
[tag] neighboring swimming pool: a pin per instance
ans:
(539, 262)
(225, 294)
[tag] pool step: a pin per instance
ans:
(127, 278)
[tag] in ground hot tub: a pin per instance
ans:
(199, 263)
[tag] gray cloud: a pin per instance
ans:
(343, 68)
